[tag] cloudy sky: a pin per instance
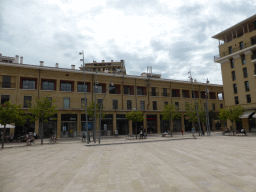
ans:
(172, 36)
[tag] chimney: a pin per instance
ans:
(17, 59)
(57, 65)
(41, 63)
(103, 61)
(73, 67)
(21, 60)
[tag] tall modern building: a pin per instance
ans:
(237, 56)
(148, 93)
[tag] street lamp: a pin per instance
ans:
(206, 111)
(86, 117)
(110, 84)
(190, 77)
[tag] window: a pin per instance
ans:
(213, 106)
(176, 93)
(141, 91)
(49, 99)
(196, 94)
(98, 89)
(221, 106)
(233, 75)
(241, 45)
(113, 90)
(115, 104)
(81, 87)
(235, 88)
(236, 100)
(6, 82)
(129, 104)
(253, 40)
(142, 105)
(4, 98)
(66, 102)
(248, 98)
(203, 95)
(246, 84)
(48, 85)
(165, 103)
(177, 105)
(65, 86)
(154, 105)
(232, 63)
(212, 95)
(185, 94)
(230, 50)
(165, 92)
(28, 84)
(245, 72)
(243, 59)
(186, 105)
(27, 101)
(127, 90)
(204, 106)
(83, 103)
(99, 101)
(153, 91)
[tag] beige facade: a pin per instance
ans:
(237, 56)
(146, 94)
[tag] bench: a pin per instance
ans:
(224, 132)
(129, 136)
(239, 132)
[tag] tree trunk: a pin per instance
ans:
(136, 129)
(3, 136)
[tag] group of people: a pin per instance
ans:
(143, 134)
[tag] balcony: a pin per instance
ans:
(226, 55)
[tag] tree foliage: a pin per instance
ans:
(232, 113)
(170, 112)
(135, 116)
(11, 114)
(192, 114)
(90, 110)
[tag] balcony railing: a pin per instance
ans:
(223, 54)
(7, 85)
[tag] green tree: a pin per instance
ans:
(169, 113)
(231, 113)
(11, 114)
(135, 116)
(90, 110)
(43, 110)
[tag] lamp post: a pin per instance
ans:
(94, 118)
(116, 71)
(206, 111)
(190, 77)
(86, 117)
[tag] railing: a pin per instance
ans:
(165, 94)
(7, 85)
(246, 45)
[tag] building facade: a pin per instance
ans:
(22, 82)
(237, 56)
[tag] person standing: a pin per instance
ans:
(35, 135)
(141, 133)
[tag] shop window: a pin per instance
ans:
(248, 98)
(66, 102)
(129, 104)
(243, 59)
(175, 93)
(154, 105)
(4, 98)
(27, 101)
(246, 84)
(48, 85)
(245, 72)
(233, 75)
(236, 100)
(177, 105)
(235, 88)
(115, 104)
(232, 63)
(6, 82)
(142, 105)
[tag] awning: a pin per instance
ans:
(246, 114)
(7, 126)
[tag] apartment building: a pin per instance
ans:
(147, 93)
(237, 56)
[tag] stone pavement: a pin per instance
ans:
(215, 163)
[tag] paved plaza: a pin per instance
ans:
(181, 163)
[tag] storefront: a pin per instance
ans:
(122, 125)
(50, 127)
(83, 124)
(68, 125)
(165, 125)
(187, 124)
(107, 125)
(177, 125)
(151, 124)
